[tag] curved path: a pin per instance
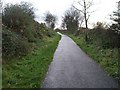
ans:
(72, 68)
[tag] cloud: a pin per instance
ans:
(102, 8)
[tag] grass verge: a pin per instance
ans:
(107, 58)
(29, 71)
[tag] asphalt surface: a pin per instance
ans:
(72, 68)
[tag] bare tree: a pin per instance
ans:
(85, 10)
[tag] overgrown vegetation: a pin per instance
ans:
(21, 31)
(27, 47)
(103, 46)
(29, 71)
(101, 49)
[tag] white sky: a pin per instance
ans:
(102, 8)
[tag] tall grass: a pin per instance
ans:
(29, 71)
(108, 58)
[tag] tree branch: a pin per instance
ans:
(90, 12)
(88, 17)
(80, 4)
(77, 9)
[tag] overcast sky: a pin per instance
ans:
(102, 8)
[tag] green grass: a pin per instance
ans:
(107, 58)
(30, 71)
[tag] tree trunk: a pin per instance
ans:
(85, 16)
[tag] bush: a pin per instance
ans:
(8, 44)
(22, 23)
(13, 45)
(109, 39)
(29, 33)
(21, 31)
(106, 38)
(13, 20)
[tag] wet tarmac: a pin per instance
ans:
(72, 68)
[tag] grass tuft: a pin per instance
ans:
(29, 71)
(108, 58)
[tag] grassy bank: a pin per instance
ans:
(29, 71)
(108, 58)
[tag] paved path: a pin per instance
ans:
(72, 68)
